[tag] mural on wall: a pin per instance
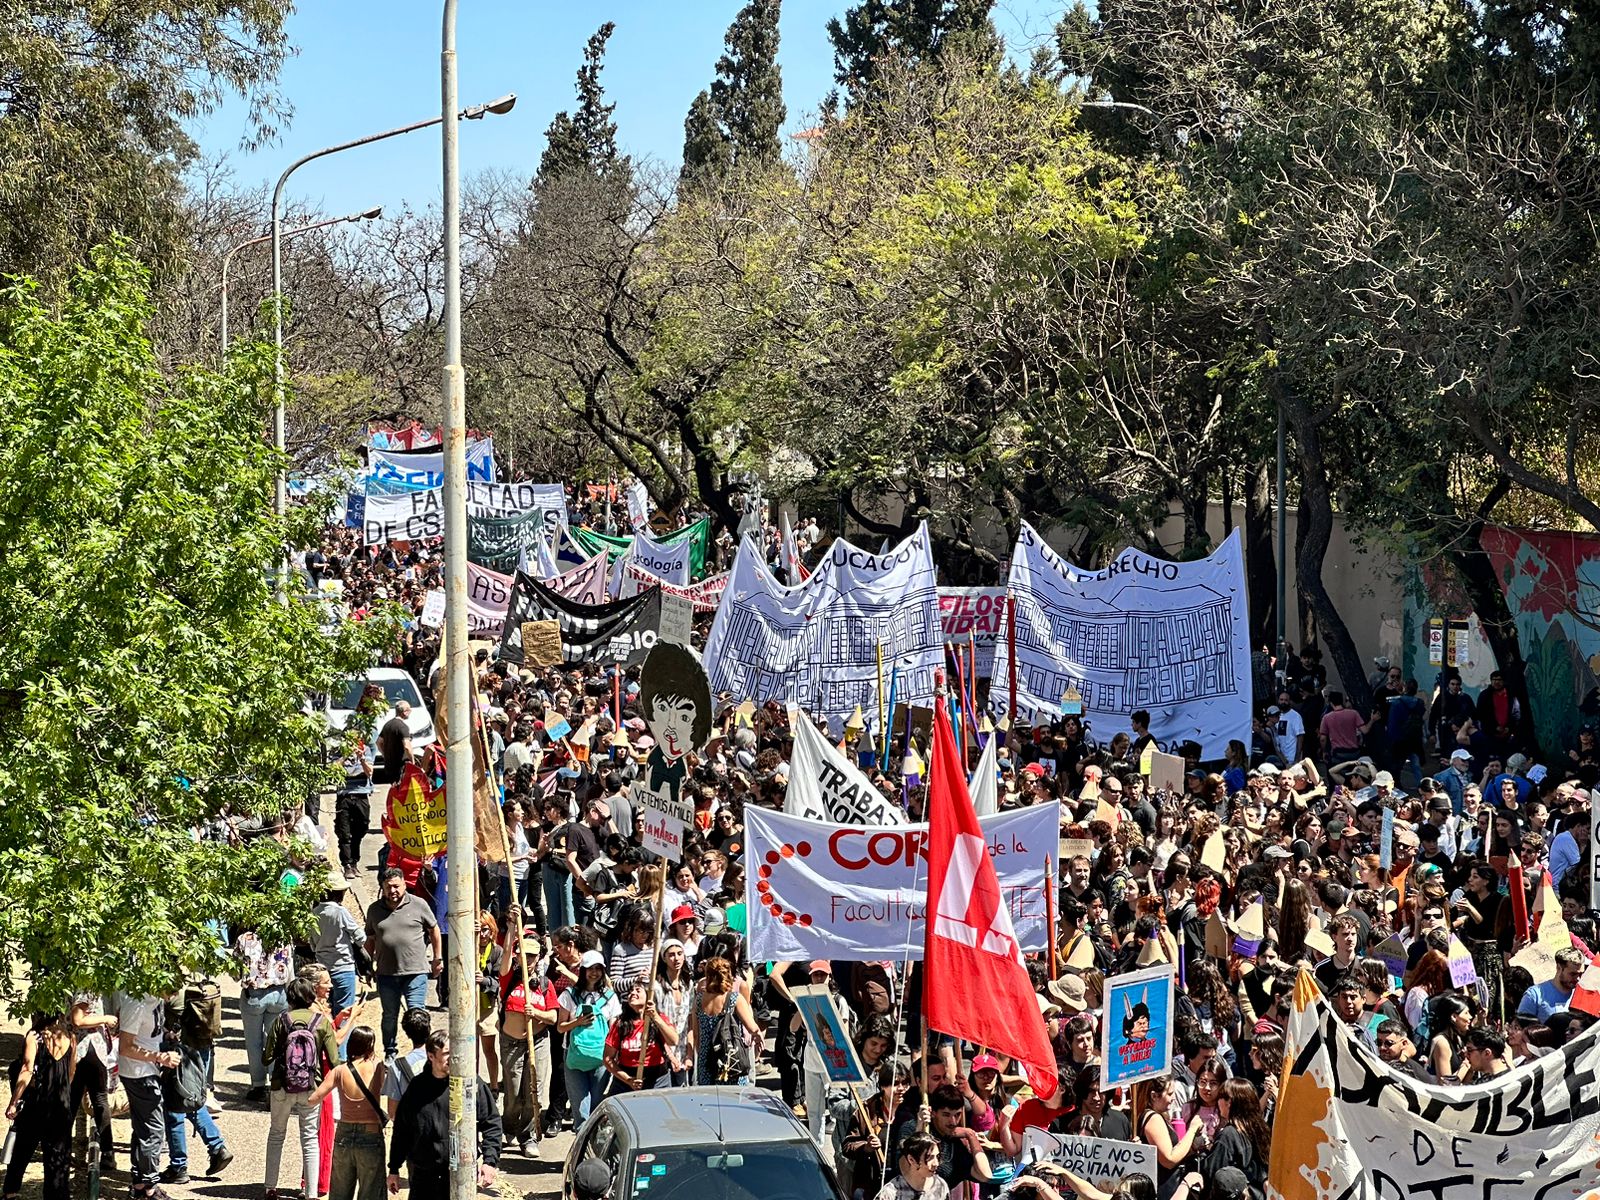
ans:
(1551, 582)
(1552, 585)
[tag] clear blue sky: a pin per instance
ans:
(368, 65)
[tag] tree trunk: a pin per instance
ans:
(1260, 563)
(1195, 498)
(1482, 582)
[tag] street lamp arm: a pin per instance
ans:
(1124, 105)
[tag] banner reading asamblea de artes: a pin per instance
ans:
(621, 631)
(1347, 1127)
(978, 613)
(817, 644)
(390, 471)
(1168, 637)
(489, 592)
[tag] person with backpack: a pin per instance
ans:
(421, 1140)
(192, 1025)
(39, 1112)
(416, 1025)
(723, 1029)
(588, 1008)
(301, 1045)
(358, 1150)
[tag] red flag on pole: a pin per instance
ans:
(977, 986)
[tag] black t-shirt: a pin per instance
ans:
(392, 743)
(580, 841)
(1116, 1125)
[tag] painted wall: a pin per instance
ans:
(1552, 585)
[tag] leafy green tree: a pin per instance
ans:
(748, 90)
(707, 151)
(875, 32)
(585, 139)
(94, 98)
(736, 121)
(149, 682)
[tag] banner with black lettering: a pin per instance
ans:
(403, 516)
(824, 785)
(621, 631)
(697, 534)
(1349, 1127)
(489, 592)
(817, 644)
(1172, 638)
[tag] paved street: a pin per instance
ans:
(245, 1127)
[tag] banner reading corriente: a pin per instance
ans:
(1350, 1128)
(858, 892)
(1169, 637)
(817, 644)
(622, 631)
(698, 535)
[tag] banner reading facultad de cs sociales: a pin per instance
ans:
(858, 892)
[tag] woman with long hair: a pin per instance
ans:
(1204, 1109)
(638, 1039)
(1266, 1059)
(713, 1052)
(1091, 1116)
(1162, 1127)
(515, 878)
(489, 952)
(1294, 919)
(39, 1110)
(1243, 1141)
(1452, 1017)
(588, 1008)
(1430, 978)
(358, 1167)
(674, 1000)
(866, 1143)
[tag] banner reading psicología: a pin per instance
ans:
(859, 892)
(1350, 1128)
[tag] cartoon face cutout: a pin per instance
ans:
(672, 721)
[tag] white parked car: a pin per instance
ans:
(397, 685)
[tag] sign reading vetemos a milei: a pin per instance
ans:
(1169, 637)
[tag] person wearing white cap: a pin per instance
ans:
(588, 1007)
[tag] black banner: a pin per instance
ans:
(621, 631)
(498, 542)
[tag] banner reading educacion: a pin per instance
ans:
(859, 892)
(1350, 1128)
(389, 471)
(1169, 637)
(817, 644)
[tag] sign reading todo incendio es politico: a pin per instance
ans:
(817, 889)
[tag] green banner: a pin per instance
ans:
(698, 535)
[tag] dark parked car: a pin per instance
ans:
(703, 1143)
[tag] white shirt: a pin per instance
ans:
(1287, 730)
(139, 1021)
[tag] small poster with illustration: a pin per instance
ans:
(1136, 1035)
(828, 1034)
(676, 698)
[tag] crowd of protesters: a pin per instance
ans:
(579, 999)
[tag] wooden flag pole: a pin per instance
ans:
(1050, 914)
(1011, 642)
(511, 880)
(650, 981)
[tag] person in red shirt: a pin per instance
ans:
(633, 1034)
(523, 1011)
(1040, 1112)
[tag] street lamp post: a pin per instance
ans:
(476, 112)
(365, 215)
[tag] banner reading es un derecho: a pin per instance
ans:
(859, 892)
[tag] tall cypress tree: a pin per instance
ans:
(585, 139)
(736, 121)
(913, 30)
